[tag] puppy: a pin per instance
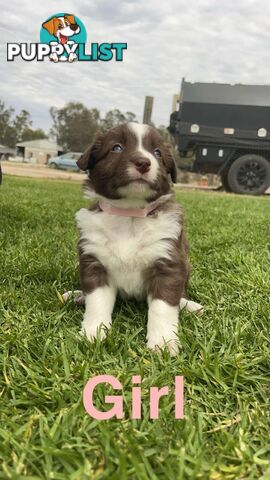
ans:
(62, 28)
(132, 241)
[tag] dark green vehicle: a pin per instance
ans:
(225, 129)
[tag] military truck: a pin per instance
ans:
(225, 129)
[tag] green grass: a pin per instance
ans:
(45, 432)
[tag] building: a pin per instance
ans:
(6, 152)
(38, 151)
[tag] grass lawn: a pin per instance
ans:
(45, 432)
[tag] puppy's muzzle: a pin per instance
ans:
(142, 165)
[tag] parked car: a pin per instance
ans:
(67, 161)
(225, 129)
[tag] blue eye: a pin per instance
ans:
(157, 152)
(117, 148)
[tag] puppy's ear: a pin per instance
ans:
(70, 18)
(170, 164)
(50, 26)
(88, 159)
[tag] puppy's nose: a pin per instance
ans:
(143, 165)
(74, 26)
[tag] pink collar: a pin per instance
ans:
(128, 212)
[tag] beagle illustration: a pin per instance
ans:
(62, 28)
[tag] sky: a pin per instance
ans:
(201, 40)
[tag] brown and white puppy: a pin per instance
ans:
(132, 241)
(62, 28)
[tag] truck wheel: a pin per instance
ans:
(224, 181)
(249, 174)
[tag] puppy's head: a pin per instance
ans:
(62, 27)
(129, 161)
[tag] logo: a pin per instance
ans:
(63, 38)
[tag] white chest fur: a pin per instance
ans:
(127, 246)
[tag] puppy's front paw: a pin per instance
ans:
(54, 57)
(72, 57)
(93, 330)
(158, 344)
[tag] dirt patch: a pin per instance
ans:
(38, 171)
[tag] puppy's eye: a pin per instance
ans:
(157, 153)
(60, 26)
(117, 148)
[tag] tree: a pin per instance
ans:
(21, 122)
(116, 117)
(7, 133)
(29, 134)
(74, 126)
(14, 130)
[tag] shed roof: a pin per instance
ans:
(41, 144)
(5, 149)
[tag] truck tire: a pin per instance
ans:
(249, 174)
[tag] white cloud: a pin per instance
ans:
(201, 40)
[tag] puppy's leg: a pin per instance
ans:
(71, 55)
(99, 297)
(98, 312)
(53, 56)
(162, 325)
(165, 283)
